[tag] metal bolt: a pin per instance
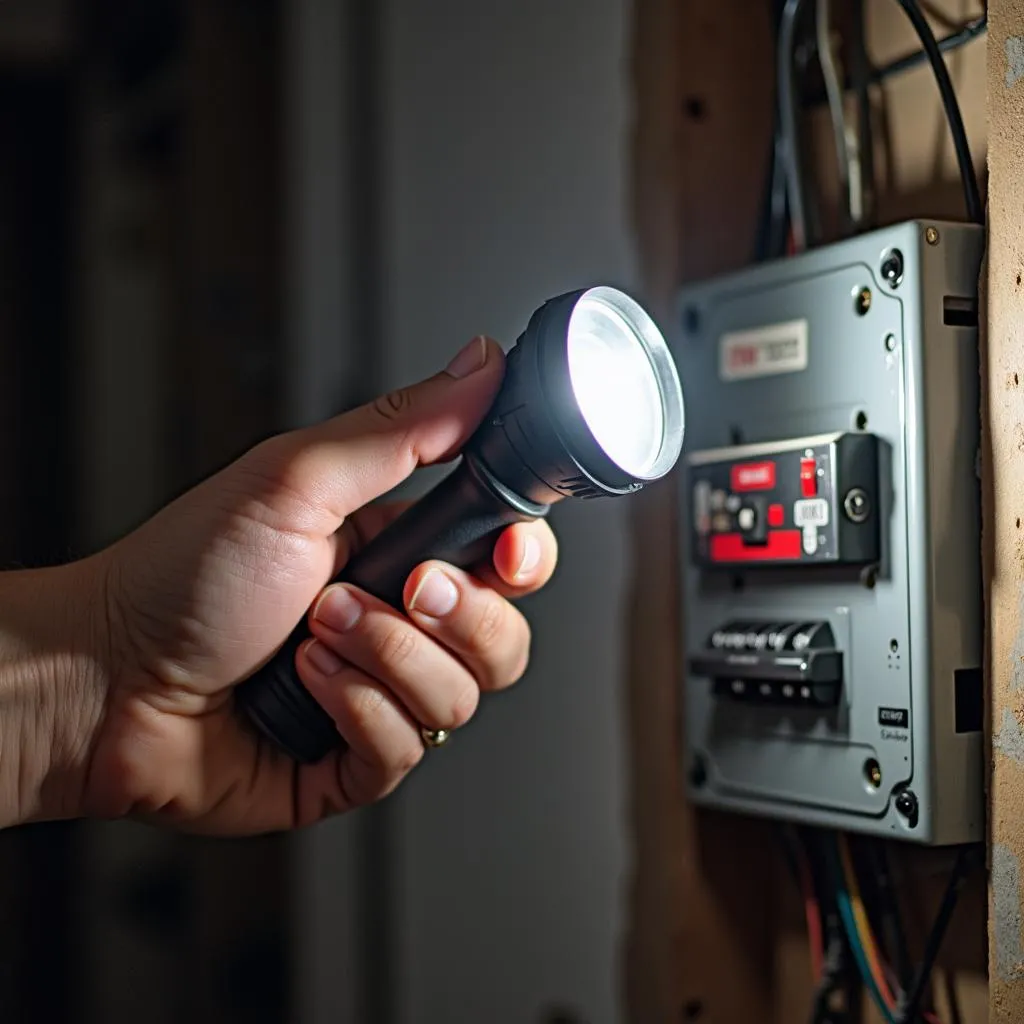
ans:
(890, 343)
(931, 236)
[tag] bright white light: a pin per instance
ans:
(615, 385)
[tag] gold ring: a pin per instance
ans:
(435, 737)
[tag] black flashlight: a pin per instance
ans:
(590, 405)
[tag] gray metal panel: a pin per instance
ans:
(905, 635)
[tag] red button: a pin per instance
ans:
(808, 478)
(776, 515)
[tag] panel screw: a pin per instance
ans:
(873, 773)
(931, 236)
(862, 301)
(892, 267)
(890, 343)
(906, 804)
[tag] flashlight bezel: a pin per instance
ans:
(551, 327)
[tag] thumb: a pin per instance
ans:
(336, 467)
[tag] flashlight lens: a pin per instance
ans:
(616, 385)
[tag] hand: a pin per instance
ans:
(205, 592)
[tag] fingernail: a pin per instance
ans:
(323, 659)
(531, 556)
(338, 609)
(469, 360)
(436, 595)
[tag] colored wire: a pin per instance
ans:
(862, 927)
(972, 194)
(880, 971)
(860, 956)
(812, 913)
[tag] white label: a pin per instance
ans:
(780, 348)
(810, 512)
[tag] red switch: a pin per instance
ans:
(776, 516)
(808, 478)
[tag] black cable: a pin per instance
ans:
(773, 225)
(889, 913)
(789, 114)
(911, 1002)
(970, 31)
(972, 194)
(860, 76)
(876, 76)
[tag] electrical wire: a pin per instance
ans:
(970, 31)
(845, 143)
(881, 973)
(860, 67)
(773, 225)
(972, 194)
(812, 914)
(846, 913)
(859, 933)
(788, 118)
(909, 1008)
(892, 925)
(876, 76)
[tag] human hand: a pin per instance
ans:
(204, 593)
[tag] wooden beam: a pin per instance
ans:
(1003, 503)
(700, 943)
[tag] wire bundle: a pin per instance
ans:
(789, 222)
(838, 883)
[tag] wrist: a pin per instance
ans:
(55, 667)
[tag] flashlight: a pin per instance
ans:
(590, 405)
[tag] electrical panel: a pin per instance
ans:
(831, 526)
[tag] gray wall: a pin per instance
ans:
(504, 151)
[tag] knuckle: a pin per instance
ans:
(365, 707)
(392, 405)
(408, 759)
(489, 626)
(521, 664)
(465, 707)
(394, 646)
(522, 658)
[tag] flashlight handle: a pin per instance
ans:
(457, 522)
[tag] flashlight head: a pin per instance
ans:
(591, 403)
